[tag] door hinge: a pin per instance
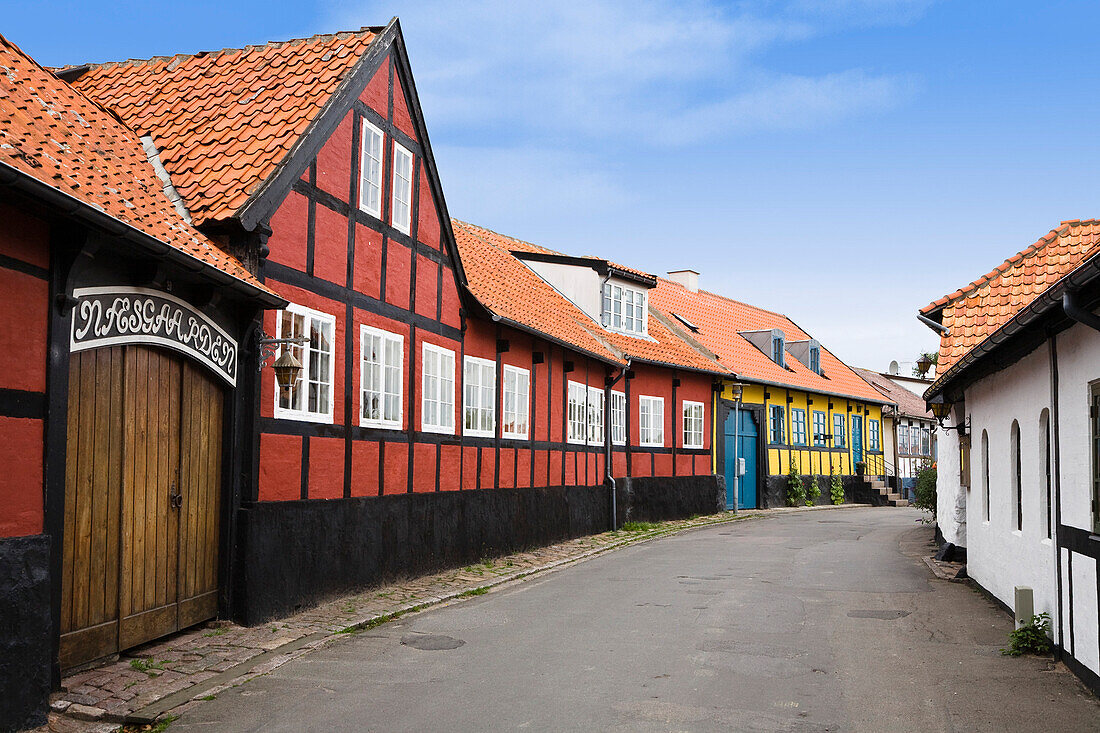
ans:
(175, 498)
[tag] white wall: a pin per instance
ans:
(951, 495)
(577, 283)
(999, 556)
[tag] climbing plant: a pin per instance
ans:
(813, 490)
(836, 488)
(796, 490)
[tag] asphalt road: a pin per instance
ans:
(816, 621)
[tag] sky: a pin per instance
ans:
(844, 162)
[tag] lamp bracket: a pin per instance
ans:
(268, 346)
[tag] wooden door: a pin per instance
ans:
(141, 500)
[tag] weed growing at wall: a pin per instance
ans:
(836, 488)
(796, 490)
(1031, 638)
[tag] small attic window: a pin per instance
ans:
(690, 326)
(624, 309)
(815, 359)
(778, 348)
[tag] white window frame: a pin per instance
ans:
(618, 418)
(521, 407)
(614, 307)
(386, 388)
(481, 375)
(441, 399)
(691, 421)
(305, 354)
(651, 434)
(903, 439)
(595, 416)
(576, 413)
(399, 186)
(370, 133)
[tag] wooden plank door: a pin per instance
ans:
(90, 565)
(200, 482)
(150, 478)
(142, 500)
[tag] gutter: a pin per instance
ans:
(92, 216)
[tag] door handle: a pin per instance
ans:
(175, 498)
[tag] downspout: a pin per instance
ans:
(608, 384)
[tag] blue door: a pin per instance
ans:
(857, 440)
(743, 446)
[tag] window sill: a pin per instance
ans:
(513, 436)
(303, 417)
(379, 425)
(479, 433)
(651, 445)
(439, 429)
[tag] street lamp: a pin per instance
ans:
(286, 367)
(924, 364)
(942, 410)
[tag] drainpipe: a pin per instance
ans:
(608, 384)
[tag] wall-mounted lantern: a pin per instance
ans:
(287, 367)
(942, 410)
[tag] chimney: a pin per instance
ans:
(688, 278)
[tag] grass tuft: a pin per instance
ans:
(640, 526)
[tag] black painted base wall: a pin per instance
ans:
(24, 631)
(775, 491)
(292, 555)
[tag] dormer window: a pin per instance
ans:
(815, 359)
(624, 309)
(778, 348)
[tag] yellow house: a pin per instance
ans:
(799, 405)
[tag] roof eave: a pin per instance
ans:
(89, 215)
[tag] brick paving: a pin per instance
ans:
(171, 675)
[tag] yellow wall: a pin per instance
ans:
(810, 459)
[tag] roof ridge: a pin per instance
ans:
(316, 38)
(1027, 252)
(729, 299)
(505, 236)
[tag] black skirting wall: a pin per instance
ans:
(24, 631)
(294, 554)
(775, 490)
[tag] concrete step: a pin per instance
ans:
(899, 501)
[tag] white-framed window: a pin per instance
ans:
(903, 439)
(517, 403)
(651, 421)
(577, 413)
(370, 170)
(479, 385)
(624, 309)
(693, 424)
(311, 398)
(437, 411)
(401, 214)
(595, 416)
(381, 357)
(618, 418)
(798, 426)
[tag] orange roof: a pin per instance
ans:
(55, 134)
(511, 290)
(972, 313)
(721, 321)
(224, 120)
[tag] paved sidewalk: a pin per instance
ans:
(170, 676)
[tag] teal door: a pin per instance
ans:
(741, 443)
(857, 440)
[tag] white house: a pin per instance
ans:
(1019, 460)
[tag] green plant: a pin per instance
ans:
(479, 591)
(216, 632)
(836, 488)
(1031, 638)
(145, 665)
(813, 490)
(796, 490)
(925, 491)
(639, 526)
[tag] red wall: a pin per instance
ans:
(24, 290)
(407, 285)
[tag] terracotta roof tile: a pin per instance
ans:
(909, 403)
(721, 321)
(54, 133)
(973, 313)
(511, 290)
(224, 120)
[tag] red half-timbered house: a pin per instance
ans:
(454, 400)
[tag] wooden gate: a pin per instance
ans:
(142, 490)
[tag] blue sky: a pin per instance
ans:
(842, 161)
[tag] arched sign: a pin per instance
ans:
(106, 316)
